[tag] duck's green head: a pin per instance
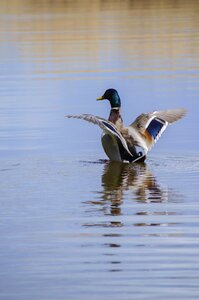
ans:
(113, 97)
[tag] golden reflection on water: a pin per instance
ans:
(66, 37)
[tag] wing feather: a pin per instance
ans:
(89, 118)
(105, 125)
(171, 115)
(150, 126)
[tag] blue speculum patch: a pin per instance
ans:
(155, 127)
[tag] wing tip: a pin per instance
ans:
(182, 110)
(180, 113)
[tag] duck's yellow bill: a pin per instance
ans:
(100, 98)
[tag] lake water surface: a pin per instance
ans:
(72, 224)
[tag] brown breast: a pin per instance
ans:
(116, 118)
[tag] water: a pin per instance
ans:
(74, 225)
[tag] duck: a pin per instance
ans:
(130, 143)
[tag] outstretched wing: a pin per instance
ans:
(151, 125)
(89, 118)
(105, 125)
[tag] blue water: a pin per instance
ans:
(72, 224)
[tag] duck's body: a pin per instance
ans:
(110, 144)
(130, 143)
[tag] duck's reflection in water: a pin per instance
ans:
(130, 199)
(126, 182)
(119, 178)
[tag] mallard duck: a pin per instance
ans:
(130, 143)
